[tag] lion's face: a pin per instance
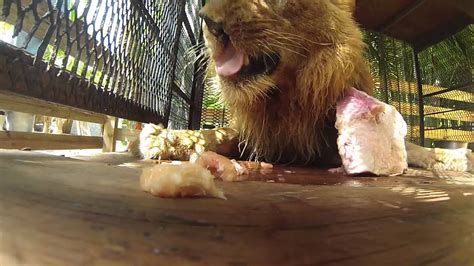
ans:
(281, 65)
(255, 45)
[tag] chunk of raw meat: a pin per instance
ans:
(371, 135)
(185, 180)
(252, 165)
(265, 165)
(222, 167)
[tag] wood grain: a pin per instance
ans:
(43, 141)
(110, 134)
(61, 211)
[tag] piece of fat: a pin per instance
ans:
(371, 135)
(222, 167)
(265, 165)
(185, 180)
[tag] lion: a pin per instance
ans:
(281, 66)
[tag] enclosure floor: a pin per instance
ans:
(90, 211)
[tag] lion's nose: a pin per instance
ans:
(216, 28)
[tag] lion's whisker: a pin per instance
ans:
(298, 37)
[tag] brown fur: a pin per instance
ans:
(158, 143)
(282, 116)
(287, 116)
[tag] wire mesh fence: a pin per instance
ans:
(446, 71)
(117, 57)
(392, 66)
(185, 85)
(448, 88)
(215, 113)
(446, 79)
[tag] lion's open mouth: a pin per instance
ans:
(231, 63)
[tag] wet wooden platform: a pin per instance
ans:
(62, 211)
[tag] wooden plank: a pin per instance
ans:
(445, 134)
(449, 134)
(58, 211)
(411, 87)
(426, 25)
(400, 15)
(63, 88)
(15, 102)
(436, 112)
(447, 29)
(42, 141)
(109, 134)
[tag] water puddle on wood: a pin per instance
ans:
(307, 176)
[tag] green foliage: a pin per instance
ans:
(60, 56)
(72, 11)
(450, 63)
(5, 27)
(6, 31)
(211, 101)
(446, 64)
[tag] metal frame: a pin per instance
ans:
(172, 86)
(126, 91)
(401, 15)
(421, 102)
(197, 93)
(428, 99)
(443, 33)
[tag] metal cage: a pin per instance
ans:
(118, 57)
(137, 59)
(447, 95)
(433, 88)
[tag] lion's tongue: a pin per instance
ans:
(229, 62)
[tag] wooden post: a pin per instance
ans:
(109, 134)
